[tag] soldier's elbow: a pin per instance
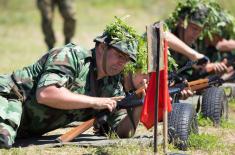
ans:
(41, 96)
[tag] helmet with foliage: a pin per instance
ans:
(141, 61)
(120, 36)
(141, 64)
(220, 23)
(194, 11)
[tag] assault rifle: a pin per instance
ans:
(196, 85)
(130, 101)
(178, 75)
(178, 78)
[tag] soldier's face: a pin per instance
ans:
(115, 61)
(138, 78)
(192, 32)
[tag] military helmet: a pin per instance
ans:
(194, 11)
(220, 23)
(197, 16)
(122, 37)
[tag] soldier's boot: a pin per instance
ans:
(50, 43)
(4, 141)
(5, 137)
(67, 40)
(49, 46)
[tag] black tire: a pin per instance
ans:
(214, 105)
(182, 121)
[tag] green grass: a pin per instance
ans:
(204, 122)
(209, 144)
(232, 104)
(227, 124)
(204, 141)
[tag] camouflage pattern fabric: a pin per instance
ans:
(210, 51)
(128, 47)
(70, 67)
(10, 112)
(67, 10)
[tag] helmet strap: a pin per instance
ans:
(131, 81)
(104, 61)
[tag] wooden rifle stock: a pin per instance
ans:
(70, 135)
(198, 84)
(76, 131)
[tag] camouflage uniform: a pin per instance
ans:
(71, 67)
(67, 10)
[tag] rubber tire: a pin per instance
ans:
(182, 121)
(214, 104)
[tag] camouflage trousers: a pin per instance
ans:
(67, 11)
(10, 112)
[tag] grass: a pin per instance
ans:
(204, 141)
(232, 104)
(204, 122)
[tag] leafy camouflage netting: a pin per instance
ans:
(220, 22)
(142, 57)
(121, 36)
(189, 11)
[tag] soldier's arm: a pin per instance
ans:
(127, 127)
(226, 45)
(62, 98)
(179, 46)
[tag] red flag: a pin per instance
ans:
(147, 115)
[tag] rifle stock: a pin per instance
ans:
(196, 85)
(70, 135)
(76, 131)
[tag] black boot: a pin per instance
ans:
(4, 142)
(67, 41)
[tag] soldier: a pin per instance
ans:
(220, 26)
(135, 76)
(67, 84)
(67, 11)
(187, 23)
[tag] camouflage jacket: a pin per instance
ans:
(210, 51)
(71, 67)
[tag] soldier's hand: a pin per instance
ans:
(225, 45)
(198, 56)
(185, 94)
(218, 67)
(105, 103)
(142, 90)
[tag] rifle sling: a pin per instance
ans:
(93, 81)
